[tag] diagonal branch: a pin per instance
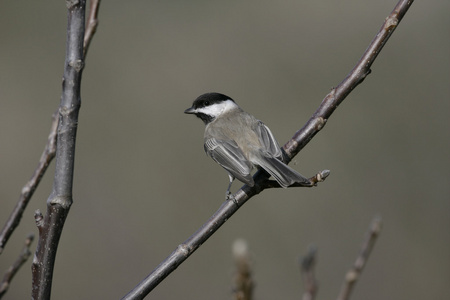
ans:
(354, 273)
(292, 147)
(23, 257)
(29, 188)
(91, 25)
(51, 225)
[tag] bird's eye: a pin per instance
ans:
(206, 103)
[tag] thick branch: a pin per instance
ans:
(59, 202)
(354, 273)
(50, 148)
(292, 147)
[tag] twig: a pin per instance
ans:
(60, 199)
(91, 25)
(243, 281)
(307, 265)
(292, 147)
(9, 275)
(313, 181)
(353, 274)
(29, 188)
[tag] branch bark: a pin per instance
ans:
(23, 257)
(91, 25)
(292, 147)
(50, 148)
(29, 188)
(354, 273)
(51, 225)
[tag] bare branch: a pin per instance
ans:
(23, 257)
(353, 79)
(29, 188)
(60, 199)
(292, 147)
(243, 281)
(91, 25)
(307, 265)
(353, 274)
(50, 148)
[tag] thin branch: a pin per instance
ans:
(292, 147)
(354, 273)
(243, 281)
(307, 265)
(91, 25)
(60, 199)
(23, 257)
(29, 188)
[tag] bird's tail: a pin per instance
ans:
(282, 173)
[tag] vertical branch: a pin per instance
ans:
(50, 148)
(58, 204)
(243, 281)
(307, 264)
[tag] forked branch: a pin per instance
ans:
(50, 148)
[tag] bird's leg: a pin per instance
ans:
(228, 194)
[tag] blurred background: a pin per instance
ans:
(143, 184)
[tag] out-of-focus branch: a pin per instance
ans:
(51, 225)
(91, 25)
(307, 264)
(292, 147)
(354, 273)
(23, 257)
(29, 188)
(243, 281)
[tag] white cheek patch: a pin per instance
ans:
(217, 108)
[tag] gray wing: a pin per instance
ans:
(267, 140)
(228, 154)
(270, 157)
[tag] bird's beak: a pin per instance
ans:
(190, 110)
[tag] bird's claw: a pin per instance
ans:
(230, 197)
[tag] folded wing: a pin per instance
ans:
(228, 154)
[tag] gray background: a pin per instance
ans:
(143, 184)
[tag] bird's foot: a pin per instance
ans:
(230, 197)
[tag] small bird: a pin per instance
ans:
(238, 141)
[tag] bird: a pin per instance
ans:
(238, 142)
